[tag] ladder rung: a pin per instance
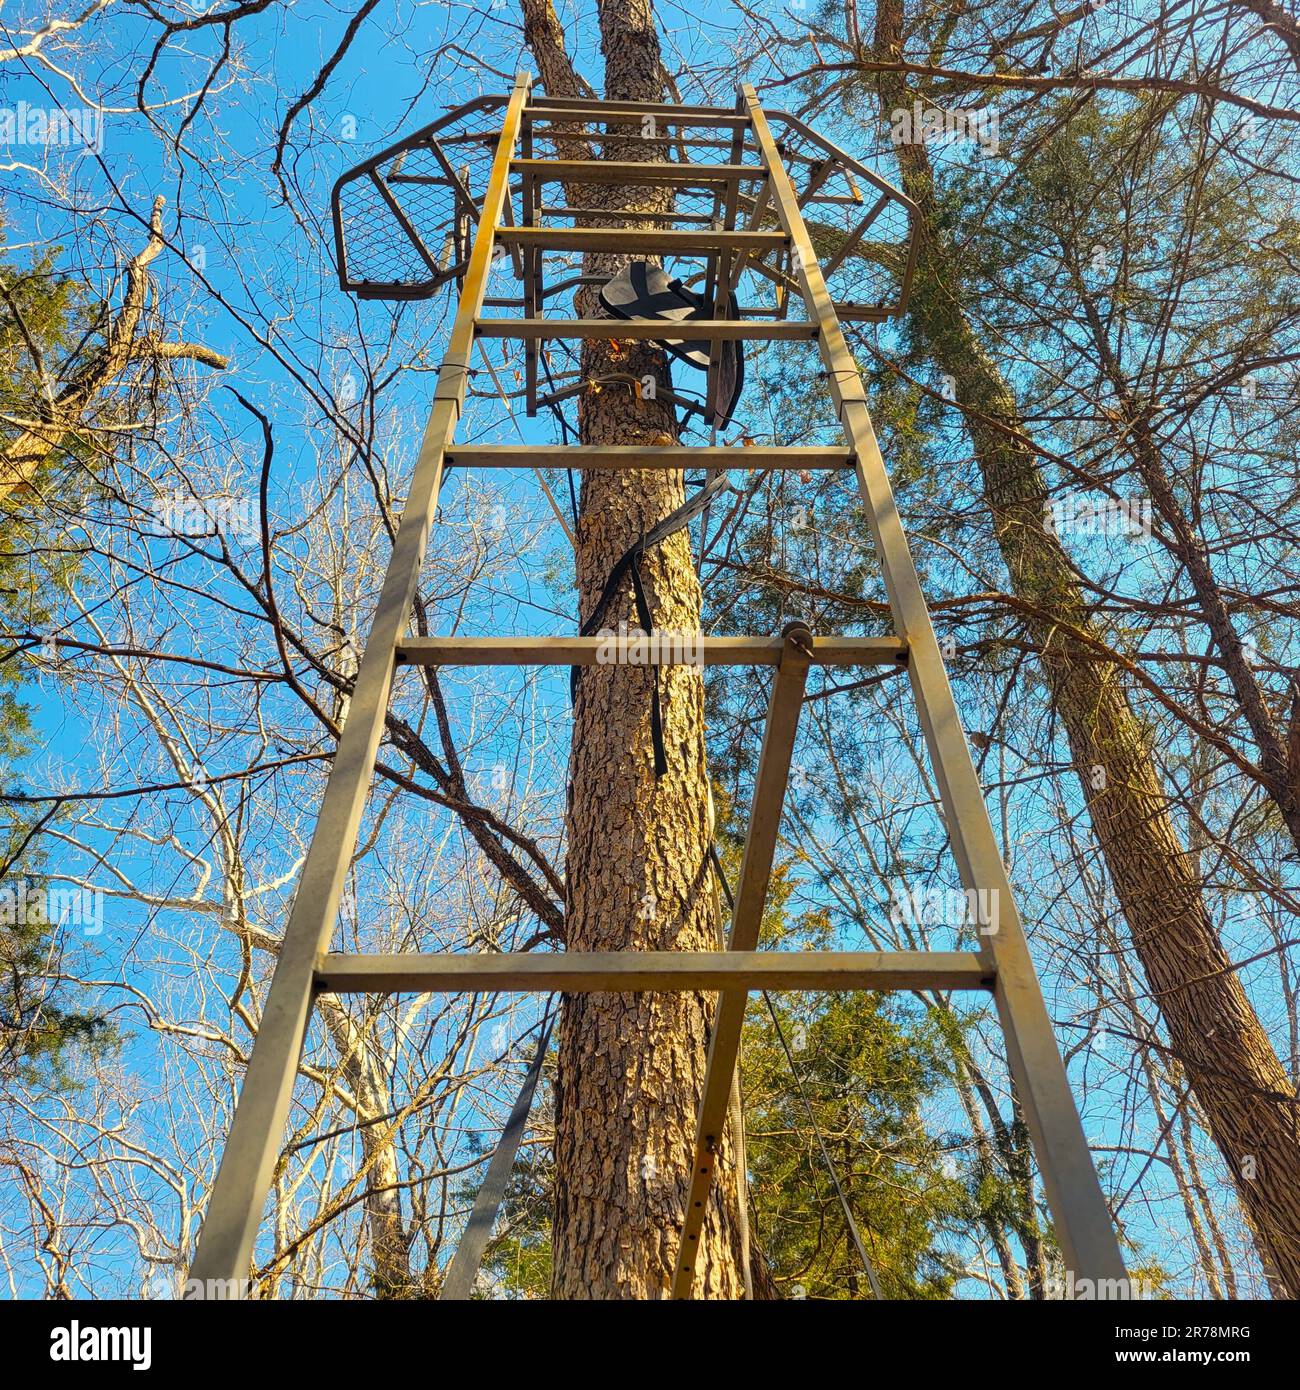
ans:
(640, 174)
(631, 112)
(623, 214)
(660, 649)
(649, 330)
(612, 456)
(643, 239)
(863, 313)
(576, 972)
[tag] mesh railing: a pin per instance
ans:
(404, 219)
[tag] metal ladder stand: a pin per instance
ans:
(1000, 964)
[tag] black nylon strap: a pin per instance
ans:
(630, 561)
(716, 859)
(656, 712)
(669, 526)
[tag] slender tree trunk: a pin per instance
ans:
(1241, 1087)
(1207, 1207)
(631, 1066)
(390, 1261)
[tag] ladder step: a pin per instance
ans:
(639, 239)
(677, 175)
(668, 218)
(631, 112)
(660, 649)
(599, 456)
(580, 972)
(649, 330)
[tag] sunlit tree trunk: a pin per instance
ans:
(631, 1066)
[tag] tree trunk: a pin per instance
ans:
(631, 1066)
(390, 1258)
(1241, 1087)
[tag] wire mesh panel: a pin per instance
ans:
(403, 219)
(861, 226)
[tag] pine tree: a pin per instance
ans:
(631, 1067)
(40, 312)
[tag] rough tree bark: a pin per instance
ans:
(631, 1066)
(1243, 1091)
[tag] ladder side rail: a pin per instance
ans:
(529, 200)
(1083, 1223)
(247, 1167)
